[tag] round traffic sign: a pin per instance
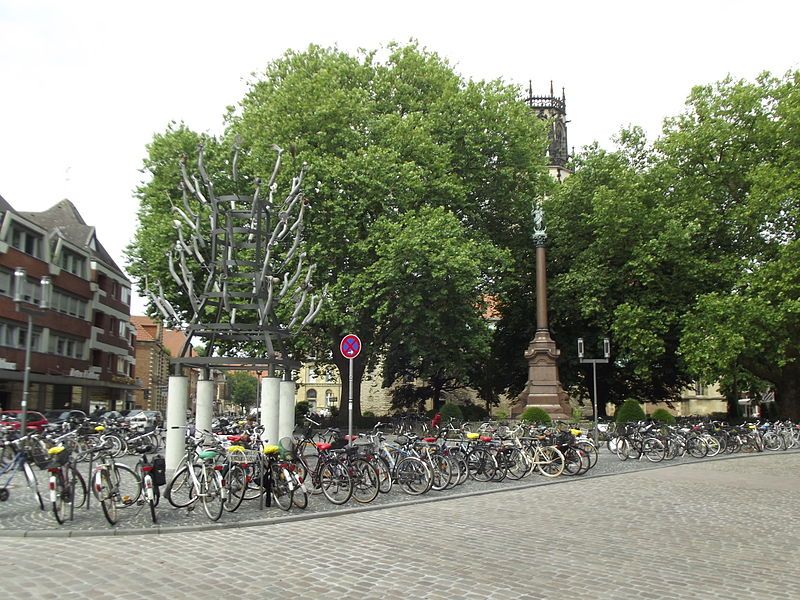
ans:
(350, 346)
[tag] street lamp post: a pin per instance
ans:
(594, 362)
(28, 307)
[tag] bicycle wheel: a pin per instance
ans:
(482, 465)
(211, 492)
(116, 445)
(413, 476)
(179, 489)
(33, 485)
(282, 491)
(772, 441)
(518, 465)
(150, 495)
(713, 445)
(76, 481)
(463, 467)
(549, 461)
(59, 496)
(623, 448)
(500, 459)
(440, 468)
(573, 461)
(590, 450)
(335, 482)
(235, 480)
(653, 449)
(366, 481)
(126, 483)
(300, 495)
(455, 471)
(696, 447)
(384, 474)
(104, 490)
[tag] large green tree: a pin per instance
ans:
(682, 251)
(738, 147)
(383, 138)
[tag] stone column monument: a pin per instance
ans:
(544, 387)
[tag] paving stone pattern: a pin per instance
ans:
(19, 515)
(711, 529)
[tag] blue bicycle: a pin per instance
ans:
(16, 459)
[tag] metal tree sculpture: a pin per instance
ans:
(248, 250)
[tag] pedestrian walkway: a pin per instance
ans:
(711, 529)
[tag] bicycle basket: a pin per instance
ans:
(58, 456)
(38, 454)
(287, 447)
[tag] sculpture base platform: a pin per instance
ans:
(544, 389)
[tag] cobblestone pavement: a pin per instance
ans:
(711, 529)
(20, 516)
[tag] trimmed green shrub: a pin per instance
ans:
(451, 410)
(473, 412)
(534, 414)
(662, 415)
(368, 413)
(630, 410)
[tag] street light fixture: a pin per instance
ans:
(26, 304)
(594, 362)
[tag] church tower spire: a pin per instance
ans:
(553, 110)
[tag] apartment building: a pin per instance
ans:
(82, 343)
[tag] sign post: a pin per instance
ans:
(594, 362)
(350, 347)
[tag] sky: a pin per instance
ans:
(84, 85)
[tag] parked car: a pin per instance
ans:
(145, 418)
(110, 416)
(65, 415)
(12, 418)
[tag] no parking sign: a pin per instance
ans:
(350, 347)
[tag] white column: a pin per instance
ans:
(205, 404)
(177, 396)
(286, 414)
(270, 407)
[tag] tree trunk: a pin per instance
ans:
(787, 390)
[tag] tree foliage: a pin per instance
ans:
(243, 388)
(389, 143)
(684, 251)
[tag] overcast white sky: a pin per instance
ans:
(85, 84)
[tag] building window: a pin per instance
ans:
(69, 305)
(6, 282)
(66, 346)
(312, 376)
(26, 240)
(13, 335)
(126, 296)
(74, 263)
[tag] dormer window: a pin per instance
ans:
(25, 240)
(74, 263)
